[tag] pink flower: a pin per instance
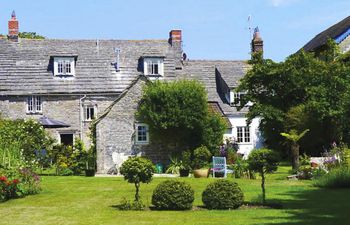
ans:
(3, 178)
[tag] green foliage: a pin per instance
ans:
(127, 205)
(263, 161)
(303, 92)
(186, 160)
(304, 160)
(222, 194)
(177, 114)
(214, 129)
(30, 35)
(174, 166)
(201, 157)
(137, 170)
(336, 178)
(72, 160)
(16, 183)
(19, 142)
(173, 195)
(293, 135)
(241, 169)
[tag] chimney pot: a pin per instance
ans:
(13, 27)
(175, 36)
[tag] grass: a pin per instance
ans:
(83, 200)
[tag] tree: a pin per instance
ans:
(21, 140)
(293, 137)
(263, 161)
(177, 114)
(137, 170)
(315, 85)
(30, 35)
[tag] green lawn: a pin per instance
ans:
(81, 200)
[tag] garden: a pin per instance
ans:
(45, 183)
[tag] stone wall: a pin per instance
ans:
(116, 130)
(64, 108)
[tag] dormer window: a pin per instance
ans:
(153, 67)
(64, 66)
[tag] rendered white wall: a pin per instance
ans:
(256, 139)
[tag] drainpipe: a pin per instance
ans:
(81, 116)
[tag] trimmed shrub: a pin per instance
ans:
(336, 178)
(173, 195)
(222, 194)
(137, 170)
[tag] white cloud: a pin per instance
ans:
(278, 3)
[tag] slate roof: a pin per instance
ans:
(25, 66)
(205, 72)
(232, 72)
(332, 32)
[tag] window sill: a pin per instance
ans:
(141, 143)
(244, 143)
(34, 113)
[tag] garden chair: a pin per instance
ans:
(219, 166)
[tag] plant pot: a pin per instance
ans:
(184, 172)
(89, 172)
(201, 173)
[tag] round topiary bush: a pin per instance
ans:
(173, 195)
(222, 194)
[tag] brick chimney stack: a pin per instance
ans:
(257, 42)
(13, 28)
(175, 37)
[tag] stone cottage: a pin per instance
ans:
(80, 82)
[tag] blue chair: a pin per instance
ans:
(219, 166)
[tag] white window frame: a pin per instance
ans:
(34, 104)
(235, 98)
(64, 66)
(146, 135)
(149, 65)
(87, 112)
(243, 134)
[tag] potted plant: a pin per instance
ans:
(201, 158)
(185, 166)
(174, 166)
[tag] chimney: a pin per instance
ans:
(257, 42)
(13, 28)
(175, 37)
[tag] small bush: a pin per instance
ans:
(137, 170)
(222, 194)
(173, 195)
(201, 157)
(336, 178)
(127, 205)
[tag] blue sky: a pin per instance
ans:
(212, 29)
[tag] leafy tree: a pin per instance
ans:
(20, 141)
(30, 35)
(263, 161)
(137, 170)
(306, 91)
(177, 114)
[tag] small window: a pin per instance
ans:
(90, 113)
(34, 104)
(243, 134)
(142, 134)
(236, 97)
(153, 66)
(64, 66)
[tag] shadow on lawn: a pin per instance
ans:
(317, 206)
